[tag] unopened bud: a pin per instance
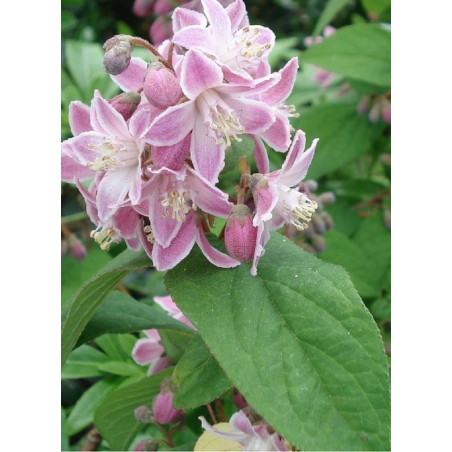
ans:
(164, 412)
(160, 30)
(161, 87)
(312, 184)
(76, 247)
(239, 400)
(162, 7)
(318, 223)
(118, 52)
(374, 113)
(126, 103)
(318, 242)
(363, 105)
(386, 111)
(329, 223)
(147, 445)
(240, 234)
(144, 414)
(327, 198)
(143, 7)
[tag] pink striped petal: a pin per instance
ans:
(267, 198)
(180, 247)
(79, 118)
(132, 78)
(126, 222)
(198, 74)
(184, 17)
(263, 235)
(145, 351)
(195, 36)
(278, 134)
(158, 365)
(218, 20)
(173, 125)
(237, 14)
(171, 157)
(255, 116)
(71, 170)
(213, 255)
(280, 92)
(259, 86)
(261, 155)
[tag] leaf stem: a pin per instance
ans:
(212, 415)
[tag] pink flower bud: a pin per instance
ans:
(374, 113)
(240, 234)
(143, 7)
(147, 445)
(161, 87)
(126, 103)
(118, 52)
(76, 247)
(160, 30)
(162, 7)
(164, 412)
(364, 104)
(386, 111)
(239, 400)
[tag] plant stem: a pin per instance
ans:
(168, 436)
(220, 410)
(212, 415)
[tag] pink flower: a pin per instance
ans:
(216, 113)
(112, 149)
(172, 309)
(276, 202)
(162, 407)
(250, 437)
(149, 351)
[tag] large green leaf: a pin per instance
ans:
(84, 362)
(298, 343)
(114, 416)
(198, 376)
(343, 133)
(361, 51)
(90, 296)
(120, 313)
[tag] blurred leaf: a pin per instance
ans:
(84, 362)
(284, 50)
(376, 6)
(361, 51)
(345, 217)
(120, 313)
(114, 416)
(64, 437)
(75, 272)
(237, 150)
(90, 296)
(328, 14)
(366, 88)
(68, 20)
(381, 308)
(83, 412)
(198, 376)
(343, 135)
(297, 341)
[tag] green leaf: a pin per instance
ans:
(114, 416)
(198, 376)
(328, 14)
(90, 296)
(120, 313)
(175, 342)
(237, 150)
(361, 51)
(83, 412)
(343, 133)
(376, 6)
(298, 343)
(64, 437)
(121, 368)
(84, 362)
(112, 345)
(68, 20)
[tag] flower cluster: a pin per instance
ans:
(153, 154)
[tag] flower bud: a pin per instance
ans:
(364, 104)
(312, 184)
(386, 111)
(147, 445)
(329, 223)
(240, 234)
(162, 7)
(162, 406)
(76, 247)
(239, 400)
(143, 7)
(374, 113)
(118, 52)
(160, 30)
(327, 198)
(318, 242)
(126, 103)
(161, 87)
(143, 414)
(318, 223)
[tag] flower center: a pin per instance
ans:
(299, 212)
(149, 235)
(246, 39)
(112, 155)
(102, 236)
(226, 126)
(177, 203)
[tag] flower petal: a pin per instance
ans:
(180, 247)
(171, 157)
(213, 255)
(105, 119)
(195, 36)
(71, 170)
(267, 197)
(206, 196)
(254, 115)
(198, 74)
(79, 118)
(132, 78)
(207, 156)
(126, 222)
(184, 17)
(261, 155)
(158, 365)
(237, 14)
(145, 351)
(281, 91)
(278, 134)
(218, 20)
(263, 235)
(173, 125)
(259, 86)
(235, 436)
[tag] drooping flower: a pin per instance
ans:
(249, 437)
(148, 351)
(113, 149)
(216, 113)
(276, 202)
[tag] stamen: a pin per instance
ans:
(102, 236)
(249, 49)
(227, 127)
(176, 201)
(301, 214)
